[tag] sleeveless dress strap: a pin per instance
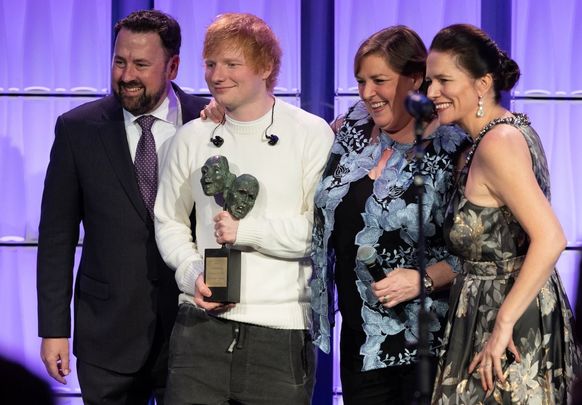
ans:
(516, 121)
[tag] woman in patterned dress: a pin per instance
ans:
(366, 197)
(509, 336)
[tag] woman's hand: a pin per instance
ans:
(400, 285)
(488, 361)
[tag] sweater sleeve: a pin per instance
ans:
(174, 203)
(289, 237)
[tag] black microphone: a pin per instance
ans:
(273, 139)
(368, 255)
(419, 106)
(217, 141)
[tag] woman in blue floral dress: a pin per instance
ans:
(509, 337)
(367, 197)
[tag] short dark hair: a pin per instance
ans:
(399, 46)
(478, 55)
(154, 21)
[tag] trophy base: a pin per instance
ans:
(222, 274)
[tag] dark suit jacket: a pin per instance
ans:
(123, 287)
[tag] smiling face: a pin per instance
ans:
(235, 84)
(453, 91)
(383, 91)
(141, 71)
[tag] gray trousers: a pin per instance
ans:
(215, 362)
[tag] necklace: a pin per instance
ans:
(389, 143)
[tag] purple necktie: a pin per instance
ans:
(146, 163)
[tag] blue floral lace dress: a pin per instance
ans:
(492, 246)
(389, 222)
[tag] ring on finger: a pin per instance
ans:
(385, 299)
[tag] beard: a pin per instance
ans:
(142, 104)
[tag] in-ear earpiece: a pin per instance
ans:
(273, 139)
(217, 141)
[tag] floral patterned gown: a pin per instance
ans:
(492, 246)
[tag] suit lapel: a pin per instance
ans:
(190, 110)
(112, 132)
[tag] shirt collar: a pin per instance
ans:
(167, 111)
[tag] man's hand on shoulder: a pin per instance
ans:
(213, 111)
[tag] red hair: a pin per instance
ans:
(250, 34)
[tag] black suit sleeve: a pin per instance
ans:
(61, 213)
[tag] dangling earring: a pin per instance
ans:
(480, 112)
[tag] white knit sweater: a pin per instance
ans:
(275, 236)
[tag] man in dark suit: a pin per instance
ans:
(125, 297)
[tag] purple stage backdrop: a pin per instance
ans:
(56, 55)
